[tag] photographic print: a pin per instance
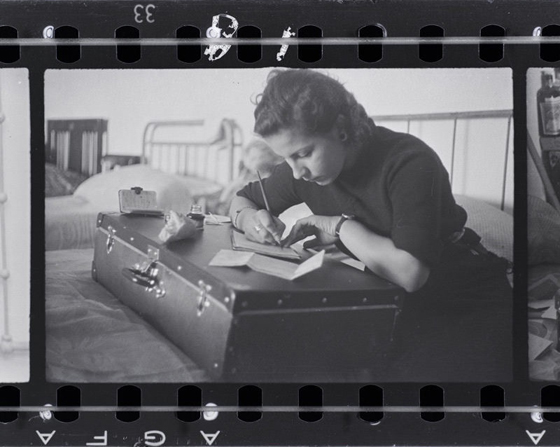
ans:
(543, 221)
(15, 218)
(279, 225)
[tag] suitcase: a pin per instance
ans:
(333, 324)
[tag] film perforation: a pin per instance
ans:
(250, 396)
(431, 52)
(128, 54)
(491, 52)
(69, 396)
(550, 52)
(67, 54)
(310, 396)
(371, 53)
(188, 53)
(550, 397)
(189, 395)
(371, 396)
(129, 396)
(432, 396)
(249, 53)
(310, 53)
(10, 396)
(492, 396)
(9, 54)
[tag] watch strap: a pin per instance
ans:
(342, 219)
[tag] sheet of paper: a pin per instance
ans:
(272, 266)
(216, 219)
(541, 304)
(344, 258)
(537, 345)
(240, 242)
(313, 263)
(550, 313)
(230, 258)
(267, 265)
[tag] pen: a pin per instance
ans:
(263, 193)
(276, 237)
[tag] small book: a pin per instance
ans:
(269, 266)
(240, 242)
(138, 201)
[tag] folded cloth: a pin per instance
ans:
(177, 227)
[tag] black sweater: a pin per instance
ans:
(397, 187)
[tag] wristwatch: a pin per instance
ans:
(343, 219)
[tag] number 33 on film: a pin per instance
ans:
(144, 13)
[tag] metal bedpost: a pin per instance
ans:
(6, 345)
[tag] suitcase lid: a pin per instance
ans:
(334, 284)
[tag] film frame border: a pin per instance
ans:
(523, 392)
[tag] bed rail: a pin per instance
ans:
(455, 118)
(213, 158)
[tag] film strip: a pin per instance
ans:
(382, 118)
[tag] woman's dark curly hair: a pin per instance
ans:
(310, 102)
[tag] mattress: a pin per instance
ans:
(92, 337)
(69, 223)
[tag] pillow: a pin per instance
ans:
(494, 226)
(543, 232)
(101, 190)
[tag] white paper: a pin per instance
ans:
(537, 345)
(267, 265)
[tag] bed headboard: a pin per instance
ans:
(171, 146)
(77, 144)
(475, 147)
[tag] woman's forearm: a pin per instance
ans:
(381, 256)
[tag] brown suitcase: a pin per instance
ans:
(330, 325)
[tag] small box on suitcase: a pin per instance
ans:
(331, 325)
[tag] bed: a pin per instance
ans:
(170, 164)
(78, 310)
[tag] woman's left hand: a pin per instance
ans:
(322, 227)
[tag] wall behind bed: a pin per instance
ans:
(14, 91)
(131, 98)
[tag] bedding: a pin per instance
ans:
(59, 182)
(92, 337)
(70, 220)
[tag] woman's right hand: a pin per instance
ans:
(263, 227)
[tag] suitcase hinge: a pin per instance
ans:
(202, 303)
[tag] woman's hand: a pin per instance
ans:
(263, 227)
(322, 227)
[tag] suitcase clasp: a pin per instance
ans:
(146, 275)
(110, 238)
(202, 303)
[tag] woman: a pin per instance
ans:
(385, 199)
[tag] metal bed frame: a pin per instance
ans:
(194, 158)
(455, 117)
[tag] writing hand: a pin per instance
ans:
(263, 227)
(322, 227)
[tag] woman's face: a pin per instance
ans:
(315, 158)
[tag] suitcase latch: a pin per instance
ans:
(110, 238)
(146, 275)
(202, 303)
